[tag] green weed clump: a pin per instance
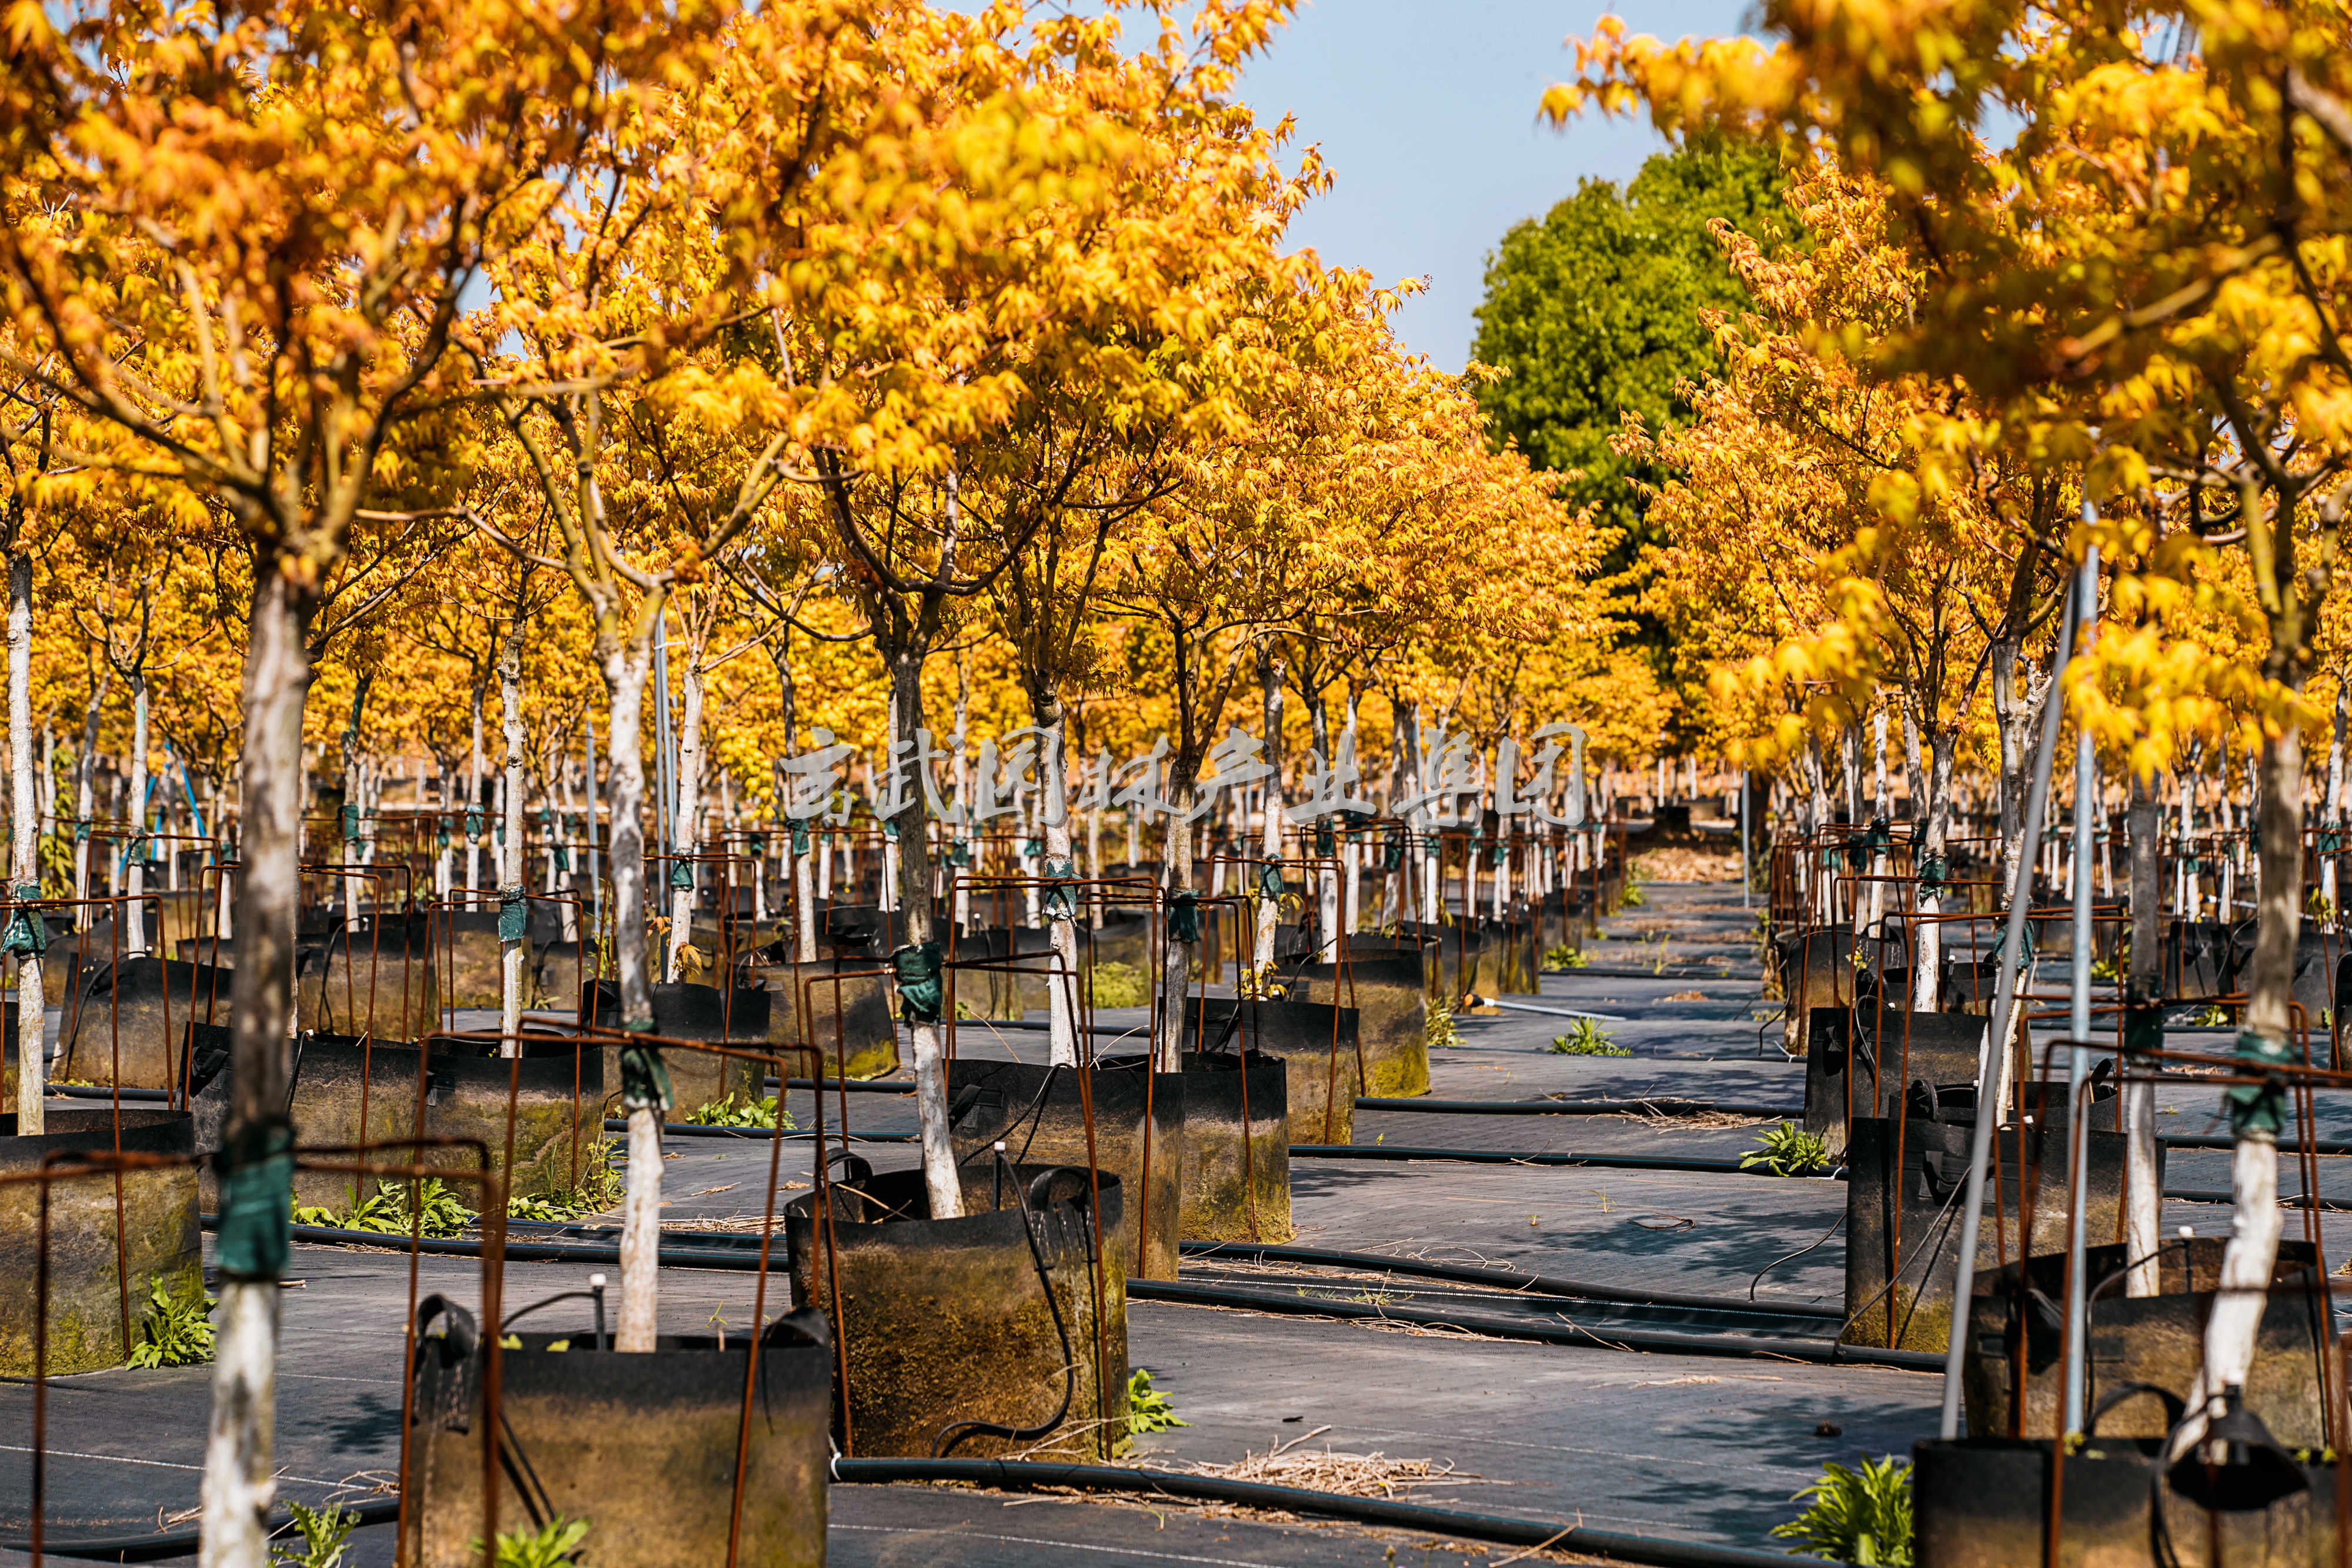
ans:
(554, 1544)
(326, 1536)
(1437, 1031)
(176, 1332)
(1566, 957)
(437, 1215)
(1148, 1409)
(738, 1109)
(1789, 1151)
(1860, 1516)
(1588, 1039)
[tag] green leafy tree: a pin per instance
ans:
(1596, 312)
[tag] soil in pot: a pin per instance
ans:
(122, 1014)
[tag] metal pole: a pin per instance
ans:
(2078, 1055)
(1998, 1029)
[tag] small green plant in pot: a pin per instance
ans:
(1788, 1150)
(1566, 957)
(556, 1544)
(1587, 1038)
(1860, 1516)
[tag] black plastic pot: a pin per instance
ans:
(651, 1449)
(1317, 1043)
(1038, 1112)
(1985, 1503)
(2154, 1341)
(1816, 970)
(347, 1092)
(849, 1020)
(466, 945)
(124, 1015)
(97, 1289)
(738, 1017)
(1236, 1185)
(1391, 1016)
(1903, 1222)
(1861, 1045)
(377, 981)
(972, 1337)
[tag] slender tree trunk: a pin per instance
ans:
(2143, 1201)
(1927, 962)
(1176, 956)
(24, 848)
(475, 767)
(1053, 816)
(2256, 1219)
(85, 800)
(1269, 910)
(134, 869)
(626, 672)
(512, 952)
(240, 1470)
(688, 826)
(2336, 796)
(1351, 892)
(941, 1183)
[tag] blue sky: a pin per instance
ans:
(1426, 111)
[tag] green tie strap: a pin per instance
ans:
(256, 1202)
(681, 877)
(563, 857)
(1392, 856)
(28, 934)
(920, 992)
(959, 852)
(890, 830)
(1326, 847)
(1933, 871)
(2143, 1020)
(645, 1082)
(1061, 900)
(351, 822)
(1033, 850)
(1185, 917)
(82, 833)
(514, 913)
(2258, 1110)
(473, 825)
(800, 838)
(1269, 881)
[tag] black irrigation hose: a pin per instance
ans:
(1522, 1158)
(745, 1258)
(1503, 1278)
(1665, 1340)
(159, 1545)
(1022, 1475)
(706, 1130)
(1665, 1105)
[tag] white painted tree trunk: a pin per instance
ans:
(475, 767)
(1176, 957)
(85, 798)
(240, 1471)
(625, 671)
(134, 871)
(25, 847)
(2336, 794)
(1052, 810)
(688, 826)
(2255, 1219)
(512, 954)
(941, 1183)
(1269, 911)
